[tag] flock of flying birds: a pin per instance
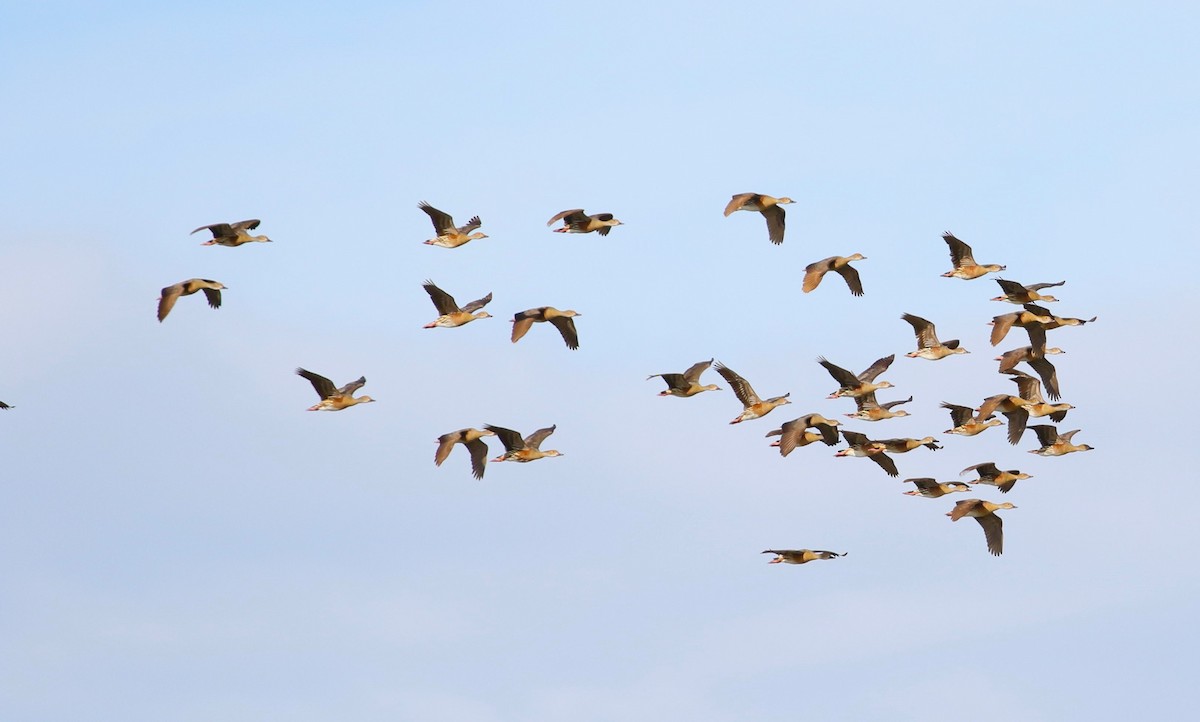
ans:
(810, 428)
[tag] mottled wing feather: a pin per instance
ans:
(324, 387)
(741, 388)
(442, 301)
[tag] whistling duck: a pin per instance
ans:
(334, 399)
(854, 386)
(171, 294)
(795, 433)
(1054, 443)
(861, 446)
(903, 446)
(4, 405)
(451, 314)
(966, 423)
(931, 489)
(1020, 294)
(984, 513)
(766, 205)
(523, 450)
(1057, 321)
(814, 272)
(576, 221)
(928, 346)
(232, 234)
(448, 236)
(562, 320)
(800, 556)
(991, 474)
(687, 383)
(1033, 323)
(871, 410)
(470, 438)
(1035, 356)
(1030, 388)
(754, 406)
(965, 266)
(1014, 408)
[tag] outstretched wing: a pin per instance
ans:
(442, 301)
(741, 388)
(534, 440)
(323, 386)
(443, 223)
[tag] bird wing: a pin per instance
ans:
(350, 388)
(789, 437)
(1028, 387)
(1046, 433)
(247, 225)
(741, 388)
(323, 386)
(854, 438)
(885, 462)
(987, 470)
(443, 223)
(479, 451)
(959, 415)
(1001, 325)
(1048, 374)
(960, 253)
(829, 433)
(736, 202)
(442, 301)
(892, 404)
(866, 401)
(511, 439)
(924, 484)
(566, 327)
(988, 407)
(472, 224)
(850, 274)
(523, 321)
(214, 296)
(876, 368)
(775, 216)
(925, 331)
(674, 381)
(567, 216)
(167, 300)
(814, 272)
(1011, 288)
(477, 304)
(219, 230)
(993, 531)
(534, 440)
(839, 374)
(1040, 286)
(1016, 424)
(692, 375)
(446, 442)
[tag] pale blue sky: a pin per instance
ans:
(179, 540)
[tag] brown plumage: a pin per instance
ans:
(984, 513)
(903, 446)
(232, 234)
(871, 410)
(450, 314)
(857, 385)
(795, 433)
(171, 294)
(334, 399)
(448, 235)
(1014, 409)
(1030, 389)
(931, 489)
(1035, 356)
(752, 406)
(966, 421)
(523, 449)
(470, 438)
(687, 383)
(1054, 443)
(800, 556)
(928, 346)
(991, 474)
(576, 221)
(965, 266)
(814, 272)
(562, 320)
(766, 205)
(861, 446)
(1019, 294)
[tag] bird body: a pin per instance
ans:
(862, 384)
(928, 346)
(562, 320)
(966, 422)
(800, 556)
(334, 399)
(1054, 443)
(965, 266)
(232, 234)
(1030, 388)
(753, 406)
(687, 383)
(931, 489)
(448, 235)
(871, 410)
(984, 513)
(576, 221)
(451, 315)
(814, 272)
(795, 433)
(171, 294)
(1019, 294)
(523, 450)
(991, 474)
(766, 205)
(903, 446)
(861, 446)
(470, 438)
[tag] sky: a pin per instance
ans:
(180, 540)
